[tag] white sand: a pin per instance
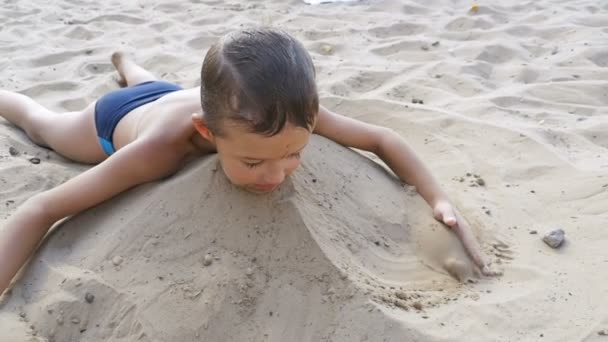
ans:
(514, 93)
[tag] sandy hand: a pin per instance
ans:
(445, 213)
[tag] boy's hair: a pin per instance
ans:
(262, 78)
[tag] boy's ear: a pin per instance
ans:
(201, 126)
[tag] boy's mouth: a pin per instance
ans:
(264, 187)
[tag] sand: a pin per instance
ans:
(513, 94)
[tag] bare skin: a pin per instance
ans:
(157, 139)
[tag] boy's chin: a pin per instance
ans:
(258, 190)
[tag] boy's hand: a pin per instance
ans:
(444, 212)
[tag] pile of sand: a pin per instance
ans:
(194, 258)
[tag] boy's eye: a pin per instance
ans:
(252, 165)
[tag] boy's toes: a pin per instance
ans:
(117, 58)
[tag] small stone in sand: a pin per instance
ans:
(75, 320)
(89, 297)
(480, 181)
(436, 43)
(417, 306)
(533, 232)
(117, 260)
(554, 238)
(419, 101)
(13, 151)
(249, 272)
(327, 49)
(35, 160)
(207, 260)
(603, 332)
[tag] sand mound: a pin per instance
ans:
(194, 258)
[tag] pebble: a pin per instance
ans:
(117, 260)
(13, 151)
(533, 232)
(34, 160)
(480, 182)
(603, 332)
(75, 320)
(415, 100)
(207, 260)
(327, 49)
(249, 272)
(554, 238)
(89, 297)
(60, 320)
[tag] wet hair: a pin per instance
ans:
(262, 78)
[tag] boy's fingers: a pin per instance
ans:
(450, 220)
(449, 217)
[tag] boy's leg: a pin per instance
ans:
(72, 134)
(130, 73)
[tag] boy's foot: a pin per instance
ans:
(117, 60)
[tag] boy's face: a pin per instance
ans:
(258, 163)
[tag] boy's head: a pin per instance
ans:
(260, 103)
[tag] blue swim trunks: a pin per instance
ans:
(113, 106)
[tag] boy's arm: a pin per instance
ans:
(400, 157)
(387, 145)
(138, 162)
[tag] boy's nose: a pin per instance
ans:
(275, 176)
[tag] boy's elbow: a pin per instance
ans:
(386, 138)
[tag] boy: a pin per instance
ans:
(259, 108)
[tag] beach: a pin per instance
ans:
(506, 103)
